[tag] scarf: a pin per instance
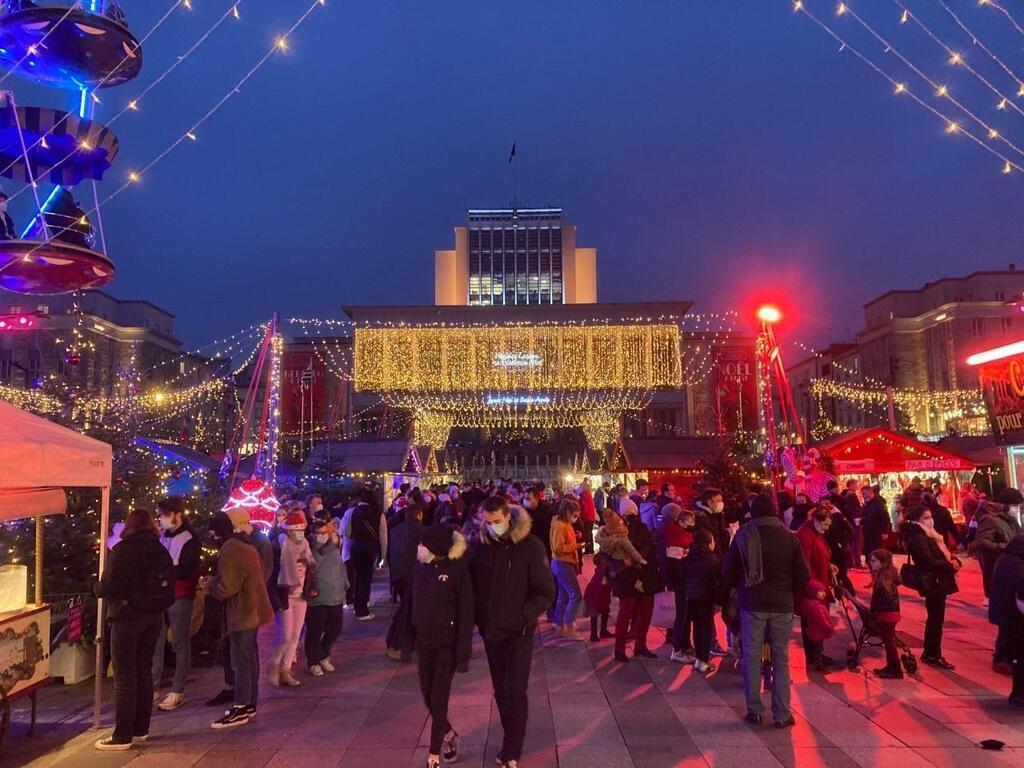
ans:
(748, 542)
(935, 536)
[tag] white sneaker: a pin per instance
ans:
(171, 701)
(367, 617)
(316, 670)
(327, 666)
(984, 603)
(682, 657)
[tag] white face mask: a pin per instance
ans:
(295, 536)
(166, 523)
(321, 538)
(423, 554)
(929, 523)
(1015, 510)
(498, 529)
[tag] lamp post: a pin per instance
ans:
(774, 382)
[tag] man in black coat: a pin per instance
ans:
(875, 519)
(513, 586)
(1003, 611)
(767, 566)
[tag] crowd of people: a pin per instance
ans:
(499, 557)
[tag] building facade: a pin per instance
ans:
(917, 341)
(515, 256)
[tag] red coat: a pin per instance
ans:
(819, 623)
(588, 511)
(816, 553)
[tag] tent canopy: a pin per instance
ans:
(362, 456)
(876, 450)
(665, 453)
(36, 453)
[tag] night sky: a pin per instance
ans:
(709, 150)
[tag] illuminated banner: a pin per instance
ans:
(517, 358)
(303, 381)
(1002, 386)
(735, 388)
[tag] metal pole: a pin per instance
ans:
(98, 682)
(891, 401)
(39, 561)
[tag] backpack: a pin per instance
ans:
(153, 592)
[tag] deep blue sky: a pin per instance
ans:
(700, 146)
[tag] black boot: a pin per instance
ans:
(593, 629)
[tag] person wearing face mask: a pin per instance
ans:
(324, 612)
(710, 510)
(7, 231)
(936, 569)
(513, 586)
(875, 520)
(998, 523)
(819, 563)
(541, 513)
(296, 560)
(182, 544)
(565, 559)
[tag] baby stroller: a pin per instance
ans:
(868, 633)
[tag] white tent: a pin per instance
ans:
(37, 459)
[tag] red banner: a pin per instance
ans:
(734, 379)
(303, 391)
(1002, 386)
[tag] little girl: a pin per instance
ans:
(885, 609)
(598, 598)
(613, 539)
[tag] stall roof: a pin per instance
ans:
(667, 453)
(982, 449)
(36, 453)
(877, 450)
(360, 455)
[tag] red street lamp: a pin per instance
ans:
(769, 314)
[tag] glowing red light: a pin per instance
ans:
(769, 314)
(23, 320)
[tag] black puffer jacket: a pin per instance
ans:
(1008, 587)
(442, 603)
(876, 524)
(702, 574)
(138, 578)
(512, 582)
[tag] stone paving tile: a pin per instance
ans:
(944, 757)
(887, 757)
(659, 757)
(309, 757)
(183, 757)
(740, 757)
(377, 758)
(589, 755)
(236, 758)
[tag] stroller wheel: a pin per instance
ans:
(909, 663)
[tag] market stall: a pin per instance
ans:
(674, 460)
(38, 459)
(879, 456)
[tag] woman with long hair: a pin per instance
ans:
(565, 559)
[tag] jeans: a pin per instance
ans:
(702, 613)
(935, 605)
(132, 640)
(569, 598)
(436, 668)
(229, 671)
(681, 628)
(638, 611)
(350, 573)
(323, 627)
(364, 558)
(245, 663)
(509, 662)
(887, 632)
(1015, 649)
(291, 622)
(759, 627)
(180, 620)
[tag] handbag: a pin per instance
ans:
(911, 576)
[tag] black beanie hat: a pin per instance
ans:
(438, 539)
(1009, 497)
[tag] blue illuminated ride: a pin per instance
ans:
(84, 46)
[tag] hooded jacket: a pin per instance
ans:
(331, 578)
(938, 572)
(512, 582)
(402, 549)
(875, 524)
(183, 546)
(1008, 587)
(701, 572)
(996, 528)
(714, 523)
(442, 602)
(239, 582)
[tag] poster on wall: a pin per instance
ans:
(734, 382)
(303, 390)
(1002, 387)
(24, 649)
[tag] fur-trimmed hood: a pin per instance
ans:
(520, 523)
(455, 551)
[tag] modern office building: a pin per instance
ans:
(515, 256)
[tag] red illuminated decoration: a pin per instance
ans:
(257, 497)
(17, 322)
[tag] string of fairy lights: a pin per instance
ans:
(951, 125)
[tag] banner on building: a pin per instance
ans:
(303, 391)
(1002, 386)
(734, 380)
